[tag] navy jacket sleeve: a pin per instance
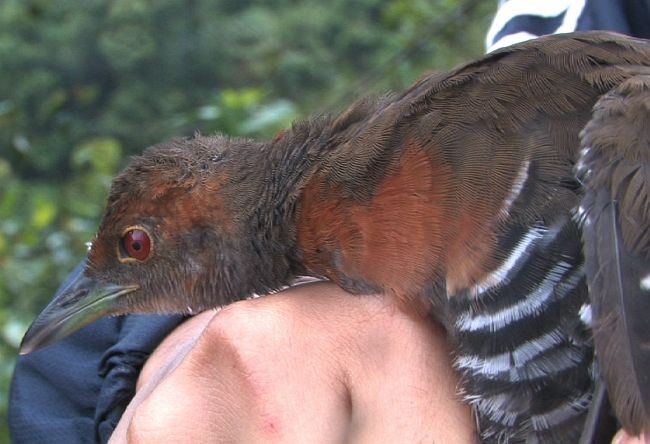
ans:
(76, 390)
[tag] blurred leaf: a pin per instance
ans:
(101, 154)
(241, 99)
(5, 171)
(52, 103)
(209, 112)
(13, 331)
(43, 211)
(86, 94)
(270, 118)
(126, 45)
(3, 246)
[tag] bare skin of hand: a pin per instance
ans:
(623, 438)
(311, 364)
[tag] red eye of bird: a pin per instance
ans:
(137, 244)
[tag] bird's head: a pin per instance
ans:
(179, 234)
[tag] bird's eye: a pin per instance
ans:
(136, 244)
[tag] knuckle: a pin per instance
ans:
(251, 326)
(245, 337)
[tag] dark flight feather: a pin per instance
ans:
(600, 425)
(616, 232)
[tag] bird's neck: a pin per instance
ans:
(265, 187)
(284, 178)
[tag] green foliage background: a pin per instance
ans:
(85, 84)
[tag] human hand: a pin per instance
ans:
(312, 363)
(623, 438)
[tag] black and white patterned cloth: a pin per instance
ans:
(520, 20)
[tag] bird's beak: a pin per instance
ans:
(81, 301)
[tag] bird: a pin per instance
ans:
(507, 199)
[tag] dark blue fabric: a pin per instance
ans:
(638, 16)
(120, 366)
(532, 23)
(629, 17)
(76, 390)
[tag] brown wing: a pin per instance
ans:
(482, 122)
(615, 166)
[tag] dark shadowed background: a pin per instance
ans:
(86, 84)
